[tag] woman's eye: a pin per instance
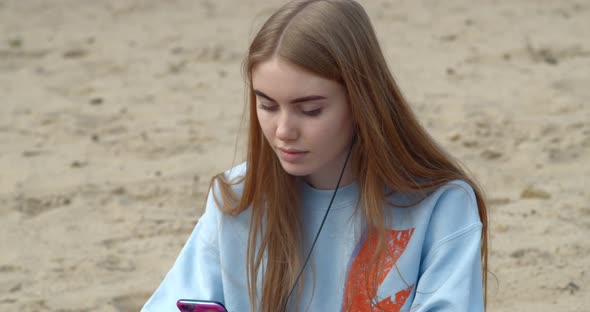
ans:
(314, 112)
(267, 107)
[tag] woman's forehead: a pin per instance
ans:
(280, 78)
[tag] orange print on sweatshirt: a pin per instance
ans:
(359, 293)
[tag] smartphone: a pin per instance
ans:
(190, 305)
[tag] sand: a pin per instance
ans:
(114, 115)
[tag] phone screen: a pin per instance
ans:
(189, 305)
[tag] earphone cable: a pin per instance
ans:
(321, 225)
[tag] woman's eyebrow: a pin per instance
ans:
(297, 100)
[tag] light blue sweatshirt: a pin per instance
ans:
(432, 258)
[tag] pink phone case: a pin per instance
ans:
(189, 305)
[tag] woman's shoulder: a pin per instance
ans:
(233, 178)
(456, 187)
(226, 190)
(456, 190)
(236, 172)
(454, 204)
(451, 204)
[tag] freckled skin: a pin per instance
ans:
(322, 138)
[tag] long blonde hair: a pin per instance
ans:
(333, 39)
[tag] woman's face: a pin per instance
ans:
(306, 119)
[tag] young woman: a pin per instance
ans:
(345, 203)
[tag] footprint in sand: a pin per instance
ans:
(558, 155)
(216, 53)
(75, 53)
(530, 256)
(34, 206)
(583, 216)
(531, 192)
(491, 154)
(553, 55)
(114, 263)
(8, 268)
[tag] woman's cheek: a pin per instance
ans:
(266, 126)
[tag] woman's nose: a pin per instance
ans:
(287, 127)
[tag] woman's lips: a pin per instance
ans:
(291, 155)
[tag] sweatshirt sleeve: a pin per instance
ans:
(451, 272)
(196, 272)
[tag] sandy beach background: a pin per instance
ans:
(115, 114)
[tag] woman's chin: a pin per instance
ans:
(298, 170)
